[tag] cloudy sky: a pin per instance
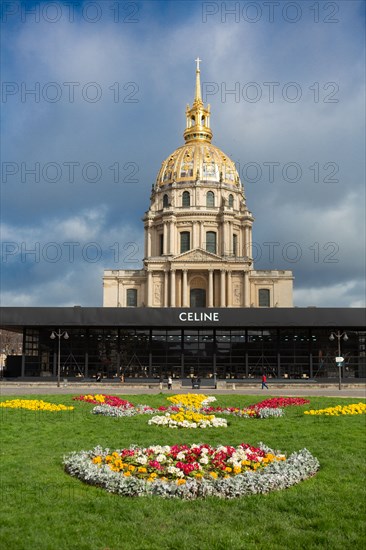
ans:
(93, 99)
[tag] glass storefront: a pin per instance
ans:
(228, 354)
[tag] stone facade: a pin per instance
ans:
(198, 234)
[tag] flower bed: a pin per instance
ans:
(188, 419)
(191, 401)
(264, 412)
(119, 412)
(276, 402)
(339, 410)
(34, 405)
(101, 398)
(191, 471)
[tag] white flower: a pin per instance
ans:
(141, 459)
(203, 460)
(181, 455)
(173, 470)
(161, 458)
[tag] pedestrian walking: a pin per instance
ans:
(264, 381)
(170, 383)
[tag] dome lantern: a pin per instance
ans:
(198, 116)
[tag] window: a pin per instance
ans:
(231, 201)
(165, 201)
(184, 241)
(211, 241)
(210, 199)
(197, 297)
(186, 199)
(161, 244)
(235, 244)
(263, 297)
(131, 297)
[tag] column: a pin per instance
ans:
(229, 289)
(194, 235)
(227, 239)
(171, 238)
(222, 288)
(148, 241)
(202, 243)
(221, 249)
(166, 275)
(149, 288)
(185, 302)
(246, 251)
(250, 241)
(210, 288)
(165, 238)
(246, 289)
(172, 288)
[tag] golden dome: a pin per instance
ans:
(198, 159)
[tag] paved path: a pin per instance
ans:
(23, 388)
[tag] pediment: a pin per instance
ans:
(197, 255)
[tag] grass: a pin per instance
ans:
(44, 508)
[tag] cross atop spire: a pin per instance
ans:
(198, 60)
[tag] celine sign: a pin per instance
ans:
(198, 316)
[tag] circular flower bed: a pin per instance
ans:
(189, 419)
(191, 471)
(339, 410)
(34, 405)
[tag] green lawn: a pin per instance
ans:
(44, 508)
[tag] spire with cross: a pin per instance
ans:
(198, 116)
(198, 97)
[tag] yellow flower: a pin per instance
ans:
(237, 470)
(127, 474)
(351, 409)
(213, 474)
(181, 481)
(97, 460)
(34, 405)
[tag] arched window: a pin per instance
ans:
(184, 241)
(186, 199)
(231, 201)
(211, 241)
(165, 201)
(210, 199)
(263, 297)
(131, 297)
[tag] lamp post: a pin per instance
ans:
(339, 358)
(60, 334)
